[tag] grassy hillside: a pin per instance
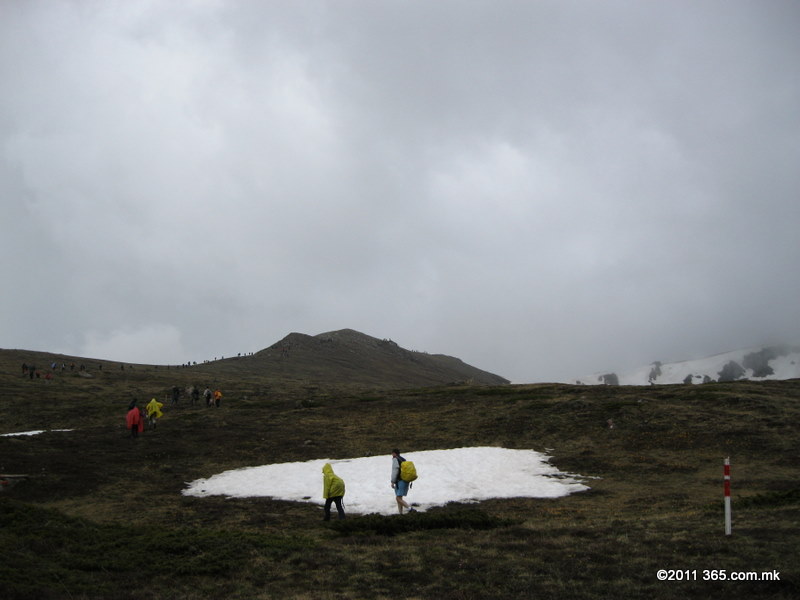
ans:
(101, 515)
(348, 356)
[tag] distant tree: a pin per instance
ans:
(731, 372)
(759, 362)
(610, 379)
(655, 372)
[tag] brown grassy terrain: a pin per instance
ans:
(101, 515)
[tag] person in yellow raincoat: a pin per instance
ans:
(154, 413)
(332, 491)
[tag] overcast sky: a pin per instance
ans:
(544, 189)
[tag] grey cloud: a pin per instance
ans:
(542, 189)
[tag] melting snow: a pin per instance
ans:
(461, 475)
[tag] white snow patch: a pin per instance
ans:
(35, 432)
(456, 475)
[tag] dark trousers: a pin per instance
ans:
(339, 507)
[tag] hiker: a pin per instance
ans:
(195, 395)
(207, 396)
(332, 491)
(154, 413)
(176, 395)
(217, 398)
(400, 486)
(134, 420)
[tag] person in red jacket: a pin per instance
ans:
(134, 420)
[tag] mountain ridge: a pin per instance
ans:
(341, 357)
(354, 357)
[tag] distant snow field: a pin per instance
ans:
(777, 363)
(456, 475)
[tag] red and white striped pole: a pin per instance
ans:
(727, 477)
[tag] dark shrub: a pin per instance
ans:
(610, 379)
(731, 372)
(655, 372)
(759, 362)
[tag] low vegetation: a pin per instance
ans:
(99, 515)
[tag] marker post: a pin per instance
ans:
(727, 478)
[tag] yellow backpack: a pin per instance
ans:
(408, 472)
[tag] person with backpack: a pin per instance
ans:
(332, 491)
(176, 395)
(153, 410)
(398, 483)
(134, 420)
